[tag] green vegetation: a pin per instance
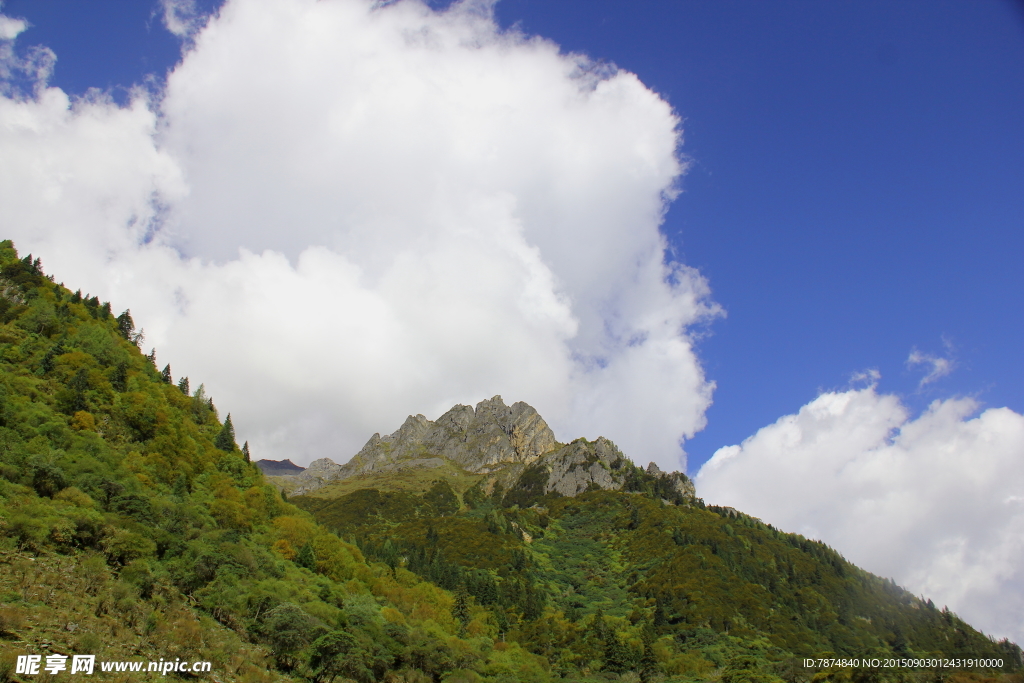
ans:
(131, 525)
(414, 479)
(611, 582)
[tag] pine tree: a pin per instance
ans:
(616, 654)
(245, 452)
(660, 621)
(125, 324)
(460, 610)
(183, 385)
(226, 438)
(165, 374)
(597, 626)
(648, 662)
(306, 557)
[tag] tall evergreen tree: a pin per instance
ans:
(226, 438)
(165, 374)
(183, 385)
(648, 662)
(125, 324)
(245, 452)
(616, 655)
(307, 557)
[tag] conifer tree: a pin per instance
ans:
(125, 324)
(119, 376)
(460, 610)
(597, 627)
(245, 452)
(226, 438)
(616, 655)
(183, 385)
(306, 557)
(648, 662)
(660, 621)
(165, 374)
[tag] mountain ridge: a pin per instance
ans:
(502, 443)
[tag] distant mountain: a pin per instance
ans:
(279, 467)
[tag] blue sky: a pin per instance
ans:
(335, 216)
(856, 187)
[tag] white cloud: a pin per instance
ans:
(933, 502)
(11, 27)
(342, 212)
(182, 17)
(938, 367)
(35, 67)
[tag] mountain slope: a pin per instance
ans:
(577, 533)
(132, 527)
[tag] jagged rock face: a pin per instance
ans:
(477, 440)
(316, 475)
(682, 484)
(512, 445)
(584, 465)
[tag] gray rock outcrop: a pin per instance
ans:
(512, 445)
(478, 440)
(583, 466)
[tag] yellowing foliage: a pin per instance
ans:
(83, 421)
(298, 531)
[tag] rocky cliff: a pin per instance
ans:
(512, 447)
(479, 440)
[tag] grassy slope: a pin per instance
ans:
(412, 479)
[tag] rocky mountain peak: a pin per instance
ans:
(511, 445)
(478, 440)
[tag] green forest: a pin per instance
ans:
(133, 525)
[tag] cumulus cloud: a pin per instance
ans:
(934, 502)
(10, 27)
(337, 213)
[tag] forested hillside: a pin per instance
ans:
(132, 526)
